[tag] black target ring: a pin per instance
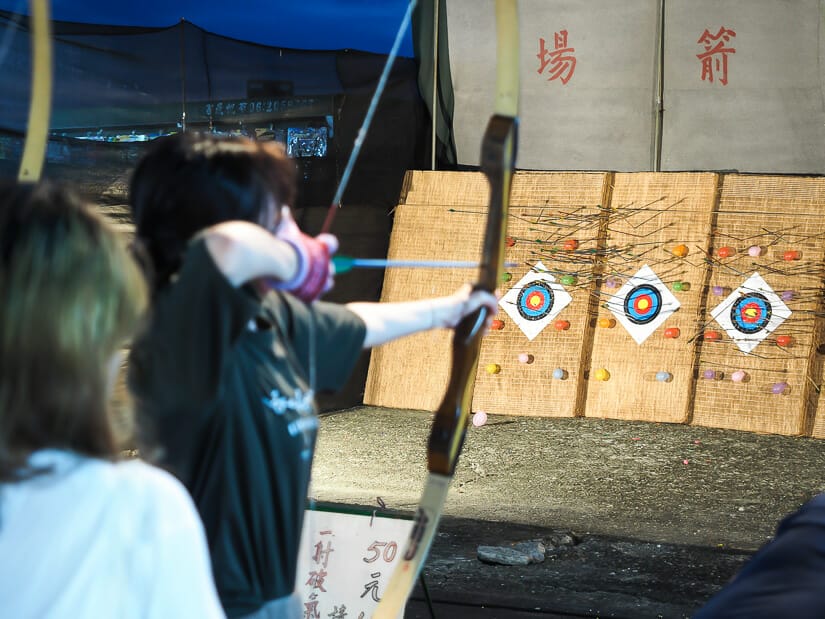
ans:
(643, 304)
(535, 301)
(751, 313)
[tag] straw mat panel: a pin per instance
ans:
(778, 214)
(651, 214)
(547, 210)
(816, 401)
(441, 217)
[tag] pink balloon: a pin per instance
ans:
(739, 376)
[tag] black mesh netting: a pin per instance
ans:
(116, 88)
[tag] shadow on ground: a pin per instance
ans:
(663, 515)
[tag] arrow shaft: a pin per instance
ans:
(377, 263)
(362, 132)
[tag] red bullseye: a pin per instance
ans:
(642, 304)
(535, 300)
(751, 313)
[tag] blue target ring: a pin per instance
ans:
(643, 304)
(535, 301)
(751, 313)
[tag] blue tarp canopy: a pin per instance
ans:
(365, 25)
(299, 72)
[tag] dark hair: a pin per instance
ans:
(190, 181)
(71, 297)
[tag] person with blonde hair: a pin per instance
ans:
(239, 344)
(83, 532)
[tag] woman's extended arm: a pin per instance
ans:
(389, 321)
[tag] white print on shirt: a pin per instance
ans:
(300, 403)
(305, 424)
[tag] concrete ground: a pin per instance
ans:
(662, 515)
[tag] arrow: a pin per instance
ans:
(343, 264)
(362, 132)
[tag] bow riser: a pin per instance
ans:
(450, 422)
(497, 163)
(452, 416)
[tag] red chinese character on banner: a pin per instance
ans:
(311, 610)
(322, 552)
(715, 57)
(316, 580)
(561, 60)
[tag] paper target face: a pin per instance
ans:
(642, 304)
(534, 301)
(751, 313)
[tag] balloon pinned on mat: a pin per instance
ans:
(680, 251)
(680, 286)
(780, 388)
(601, 375)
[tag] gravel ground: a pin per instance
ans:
(663, 515)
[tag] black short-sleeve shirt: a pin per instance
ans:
(784, 578)
(224, 380)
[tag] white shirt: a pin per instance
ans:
(99, 539)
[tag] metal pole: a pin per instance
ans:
(660, 91)
(435, 81)
(183, 74)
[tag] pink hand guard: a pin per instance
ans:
(313, 277)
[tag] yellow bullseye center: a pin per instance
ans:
(534, 301)
(643, 304)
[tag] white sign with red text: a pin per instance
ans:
(345, 561)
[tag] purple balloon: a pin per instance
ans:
(779, 388)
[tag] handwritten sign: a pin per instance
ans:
(345, 562)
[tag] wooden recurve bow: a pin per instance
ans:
(40, 102)
(498, 154)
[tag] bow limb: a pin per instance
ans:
(498, 153)
(40, 102)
